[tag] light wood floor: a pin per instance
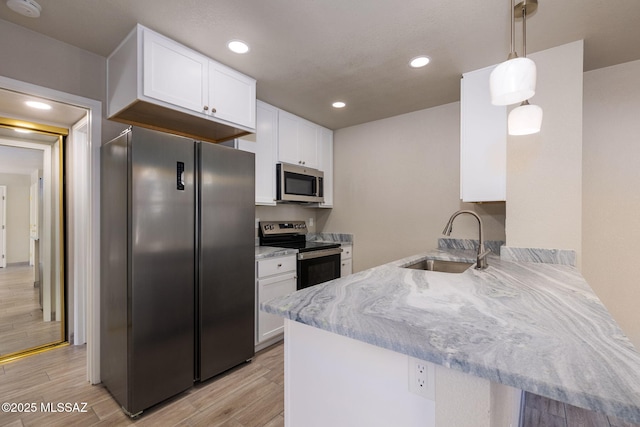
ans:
(251, 395)
(21, 324)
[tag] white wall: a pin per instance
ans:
(397, 181)
(18, 187)
(611, 191)
(544, 171)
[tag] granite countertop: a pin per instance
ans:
(263, 252)
(536, 327)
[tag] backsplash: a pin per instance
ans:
(469, 244)
(548, 256)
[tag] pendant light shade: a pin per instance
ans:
(513, 81)
(525, 119)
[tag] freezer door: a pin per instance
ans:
(227, 258)
(162, 283)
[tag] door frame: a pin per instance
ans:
(90, 236)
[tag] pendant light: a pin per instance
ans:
(525, 119)
(514, 80)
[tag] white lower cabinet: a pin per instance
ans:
(346, 267)
(274, 277)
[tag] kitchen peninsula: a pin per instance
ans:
(350, 345)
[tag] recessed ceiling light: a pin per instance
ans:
(38, 105)
(339, 104)
(238, 46)
(419, 61)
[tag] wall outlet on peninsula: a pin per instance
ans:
(422, 378)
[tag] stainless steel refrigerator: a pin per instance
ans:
(177, 264)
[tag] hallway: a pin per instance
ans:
(21, 324)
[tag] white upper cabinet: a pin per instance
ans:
(156, 82)
(325, 164)
(229, 95)
(264, 144)
(297, 140)
(278, 139)
(483, 141)
(173, 73)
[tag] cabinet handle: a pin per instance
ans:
(213, 110)
(279, 265)
(206, 108)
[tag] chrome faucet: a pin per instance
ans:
(482, 252)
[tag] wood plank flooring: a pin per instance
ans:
(542, 412)
(251, 395)
(21, 324)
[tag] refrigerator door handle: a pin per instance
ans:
(180, 175)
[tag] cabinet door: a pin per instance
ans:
(325, 164)
(308, 135)
(173, 73)
(232, 95)
(270, 325)
(346, 267)
(297, 140)
(483, 141)
(263, 143)
(288, 138)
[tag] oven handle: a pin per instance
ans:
(320, 253)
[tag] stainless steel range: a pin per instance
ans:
(317, 261)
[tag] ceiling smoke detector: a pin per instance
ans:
(25, 7)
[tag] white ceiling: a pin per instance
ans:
(15, 160)
(307, 53)
(13, 106)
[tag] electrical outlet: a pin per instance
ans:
(422, 377)
(310, 221)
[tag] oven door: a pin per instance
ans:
(318, 266)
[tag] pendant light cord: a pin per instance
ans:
(524, 29)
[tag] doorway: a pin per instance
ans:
(87, 205)
(32, 282)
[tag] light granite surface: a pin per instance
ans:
(549, 256)
(536, 327)
(454, 243)
(330, 237)
(263, 252)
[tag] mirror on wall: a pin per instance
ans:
(32, 300)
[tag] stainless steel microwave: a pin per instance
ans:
(299, 184)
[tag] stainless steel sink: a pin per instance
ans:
(440, 265)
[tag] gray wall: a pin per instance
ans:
(33, 58)
(397, 181)
(611, 191)
(18, 187)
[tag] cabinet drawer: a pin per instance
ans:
(269, 267)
